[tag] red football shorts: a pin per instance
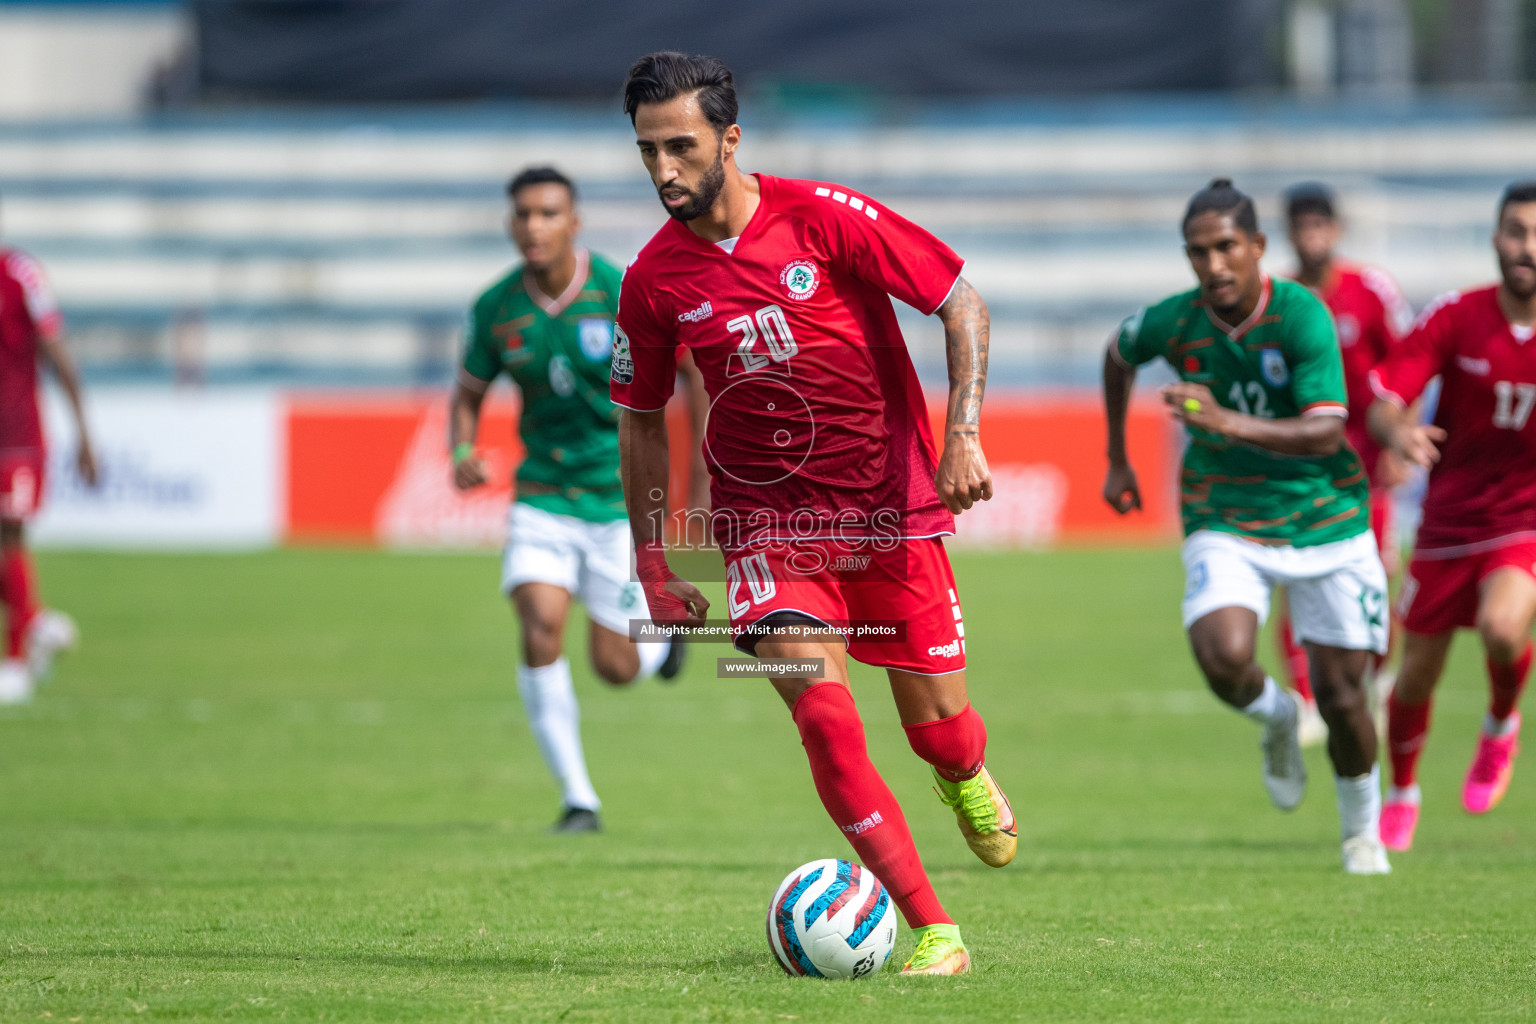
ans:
(896, 608)
(1442, 593)
(21, 484)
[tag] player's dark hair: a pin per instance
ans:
(540, 176)
(1518, 192)
(1221, 196)
(667, 74)
(1310, 197)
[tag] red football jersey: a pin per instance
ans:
(1372, 317)
(818, 426)
(1482, 492)
(28, 314)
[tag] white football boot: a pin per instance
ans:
(1285, 773)
(49, 633)
(1365, 855)
(15, 682)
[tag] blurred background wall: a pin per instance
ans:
(302, 195)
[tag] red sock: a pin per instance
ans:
(956, 746)
(1506, 682)
(859, 801)
(1295, 660)
(16, 582)
(1407, 725)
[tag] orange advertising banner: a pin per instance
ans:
(375, 469)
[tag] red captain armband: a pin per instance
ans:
(652, 571)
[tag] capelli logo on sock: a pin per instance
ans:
(858, 828)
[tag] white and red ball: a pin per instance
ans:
(831, 919)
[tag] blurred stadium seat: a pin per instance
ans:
(344, 247)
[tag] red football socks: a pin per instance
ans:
(16, 584)
(1505, 683)
(956, 746)
(860, 802)
(1407, 725)
(1295, 660)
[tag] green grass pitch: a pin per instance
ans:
(298, 786)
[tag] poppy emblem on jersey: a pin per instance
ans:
(511, 340)
(595, 337)
(1272, 363)
(800, 279)
(623, 366)
(1191, 364)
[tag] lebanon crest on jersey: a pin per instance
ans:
(800, 279)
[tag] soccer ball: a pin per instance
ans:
(831, 919)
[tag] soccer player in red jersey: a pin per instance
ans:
(1371, 317)
(31, 329)
(1474, 563)
(828, 499)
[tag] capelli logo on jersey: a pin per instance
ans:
(800, 279)
(949, 650)
(698, 314)
(1476, 367)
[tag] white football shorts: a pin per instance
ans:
(590, 560)
(1337, 592)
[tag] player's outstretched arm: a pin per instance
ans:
(1399, 431)
(463, 426)
(63, 366)
(644, 465)
(1312, 436)
(963, 477)
(1120, 487)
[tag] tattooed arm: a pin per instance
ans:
(963, 478)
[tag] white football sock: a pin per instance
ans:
(550, 702)
(651, 656)
(1499, 726)
(1270, 705)
(1405, 794)
(1359, 803)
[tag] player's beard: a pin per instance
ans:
(1521, 291)
(701, 200)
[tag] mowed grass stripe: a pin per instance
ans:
(297, 785)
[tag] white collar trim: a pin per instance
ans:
(1236, 333)
(556, 306)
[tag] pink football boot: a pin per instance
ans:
(1491, 769)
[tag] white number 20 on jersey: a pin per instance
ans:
(769, 324)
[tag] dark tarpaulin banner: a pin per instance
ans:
(403, 50)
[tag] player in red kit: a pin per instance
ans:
(828, 500)
(31, 330)
(1474, 563)
(1371, 317)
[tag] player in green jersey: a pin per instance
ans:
(1271, 493)
(548, 325)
